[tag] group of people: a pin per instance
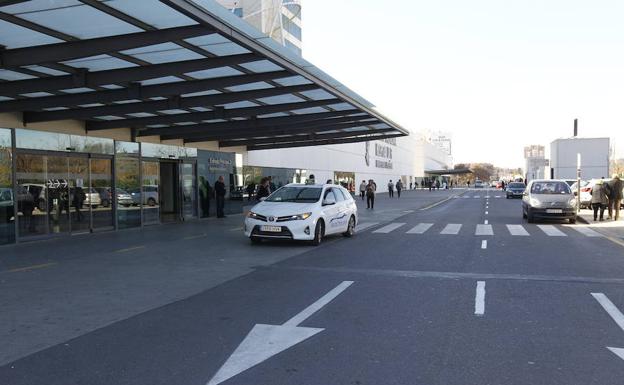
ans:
(607, 195)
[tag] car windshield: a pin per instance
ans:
(516, 185)
(550, 188)
(296, 194)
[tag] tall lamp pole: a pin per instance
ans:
(578, 182)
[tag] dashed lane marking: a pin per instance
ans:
(130, 249)
(484, 230)
(365, 225)
(203, 235)
(586, 231)
(480, 298)
(484, 244)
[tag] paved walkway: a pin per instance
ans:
(614, 230)
(58, 289)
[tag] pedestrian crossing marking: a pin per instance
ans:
(552, 231)
(586, 231)
(366, 225)
(484, 230)
(388, 228)
(517, 230)
(451, 228)
(420, 228)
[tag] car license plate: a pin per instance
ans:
(272, 229)
(554, 211)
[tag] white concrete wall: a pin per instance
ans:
(411, 156)
(594, 157)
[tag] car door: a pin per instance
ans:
(330, 211)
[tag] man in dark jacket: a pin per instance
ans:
(219, 187)
(614, 193)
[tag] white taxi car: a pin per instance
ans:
(303, 212)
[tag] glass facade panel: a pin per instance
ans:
(127, 179)
(151, 188)
(7, 202)
(101, 183)
(81, 196)
(189, 190)
(38, 140)
(32, 194)
(58, 199)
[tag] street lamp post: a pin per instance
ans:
(578, 182)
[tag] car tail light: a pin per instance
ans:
(586, 189)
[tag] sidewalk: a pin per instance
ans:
(614, 230)
(54, 290)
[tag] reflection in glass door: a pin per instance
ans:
(100, 193)
(31, 181)
(151, 201)
(81, 197)
(189, 190)
(57, 194)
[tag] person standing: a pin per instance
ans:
(363, 189)
(599, 199)
(263, 189)
(399, 187)
(614, 191)
(390, 189)
(220, 196)
(204, 196)
(371, 188)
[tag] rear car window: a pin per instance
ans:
(550, 188)
(516, 185)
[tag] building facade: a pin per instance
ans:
(279, 19)
(535, 162)
(594, 154)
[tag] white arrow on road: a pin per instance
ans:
(615, 313)
(265, 341)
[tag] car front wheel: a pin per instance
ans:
(350, 228)
(319, 233)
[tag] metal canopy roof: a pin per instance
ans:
(180, 69)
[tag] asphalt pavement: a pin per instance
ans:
(455, 290)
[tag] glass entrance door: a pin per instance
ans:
(81, 197)
(101, 197)
(189, 190)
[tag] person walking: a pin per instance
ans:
(204, 196)
(263, 189)
(599, 199)
(219, 187)
(399, 187)
(363, 189)
(371, 188)
(437, 184)
(390, 189)
(614, 194)
(410, 185)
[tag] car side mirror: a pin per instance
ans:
(263, 199)
(329, 201)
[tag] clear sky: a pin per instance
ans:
(497, 74)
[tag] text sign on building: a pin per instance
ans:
(384, 152)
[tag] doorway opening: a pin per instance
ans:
(169, 194)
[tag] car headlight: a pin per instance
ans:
(253, 215)
(299, 217)
(535, 202)
(572, 202)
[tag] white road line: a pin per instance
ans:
(484, 244)
(466, 196)
(480, 298)
(610, 308)
(517, 230)
(451, 228)
(365, 225)
(484, 230)
(586, 231)
(388, 228)
(316, 306)
(408, 211)
(420, 228)
(477, 196)
(552, 231)
(485, 222)
(497, 196)
(486, 213)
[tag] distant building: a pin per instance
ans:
(442, 140)
(279, 19)
(535, 162)
(594, 158)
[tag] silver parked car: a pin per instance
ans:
(548, 199)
